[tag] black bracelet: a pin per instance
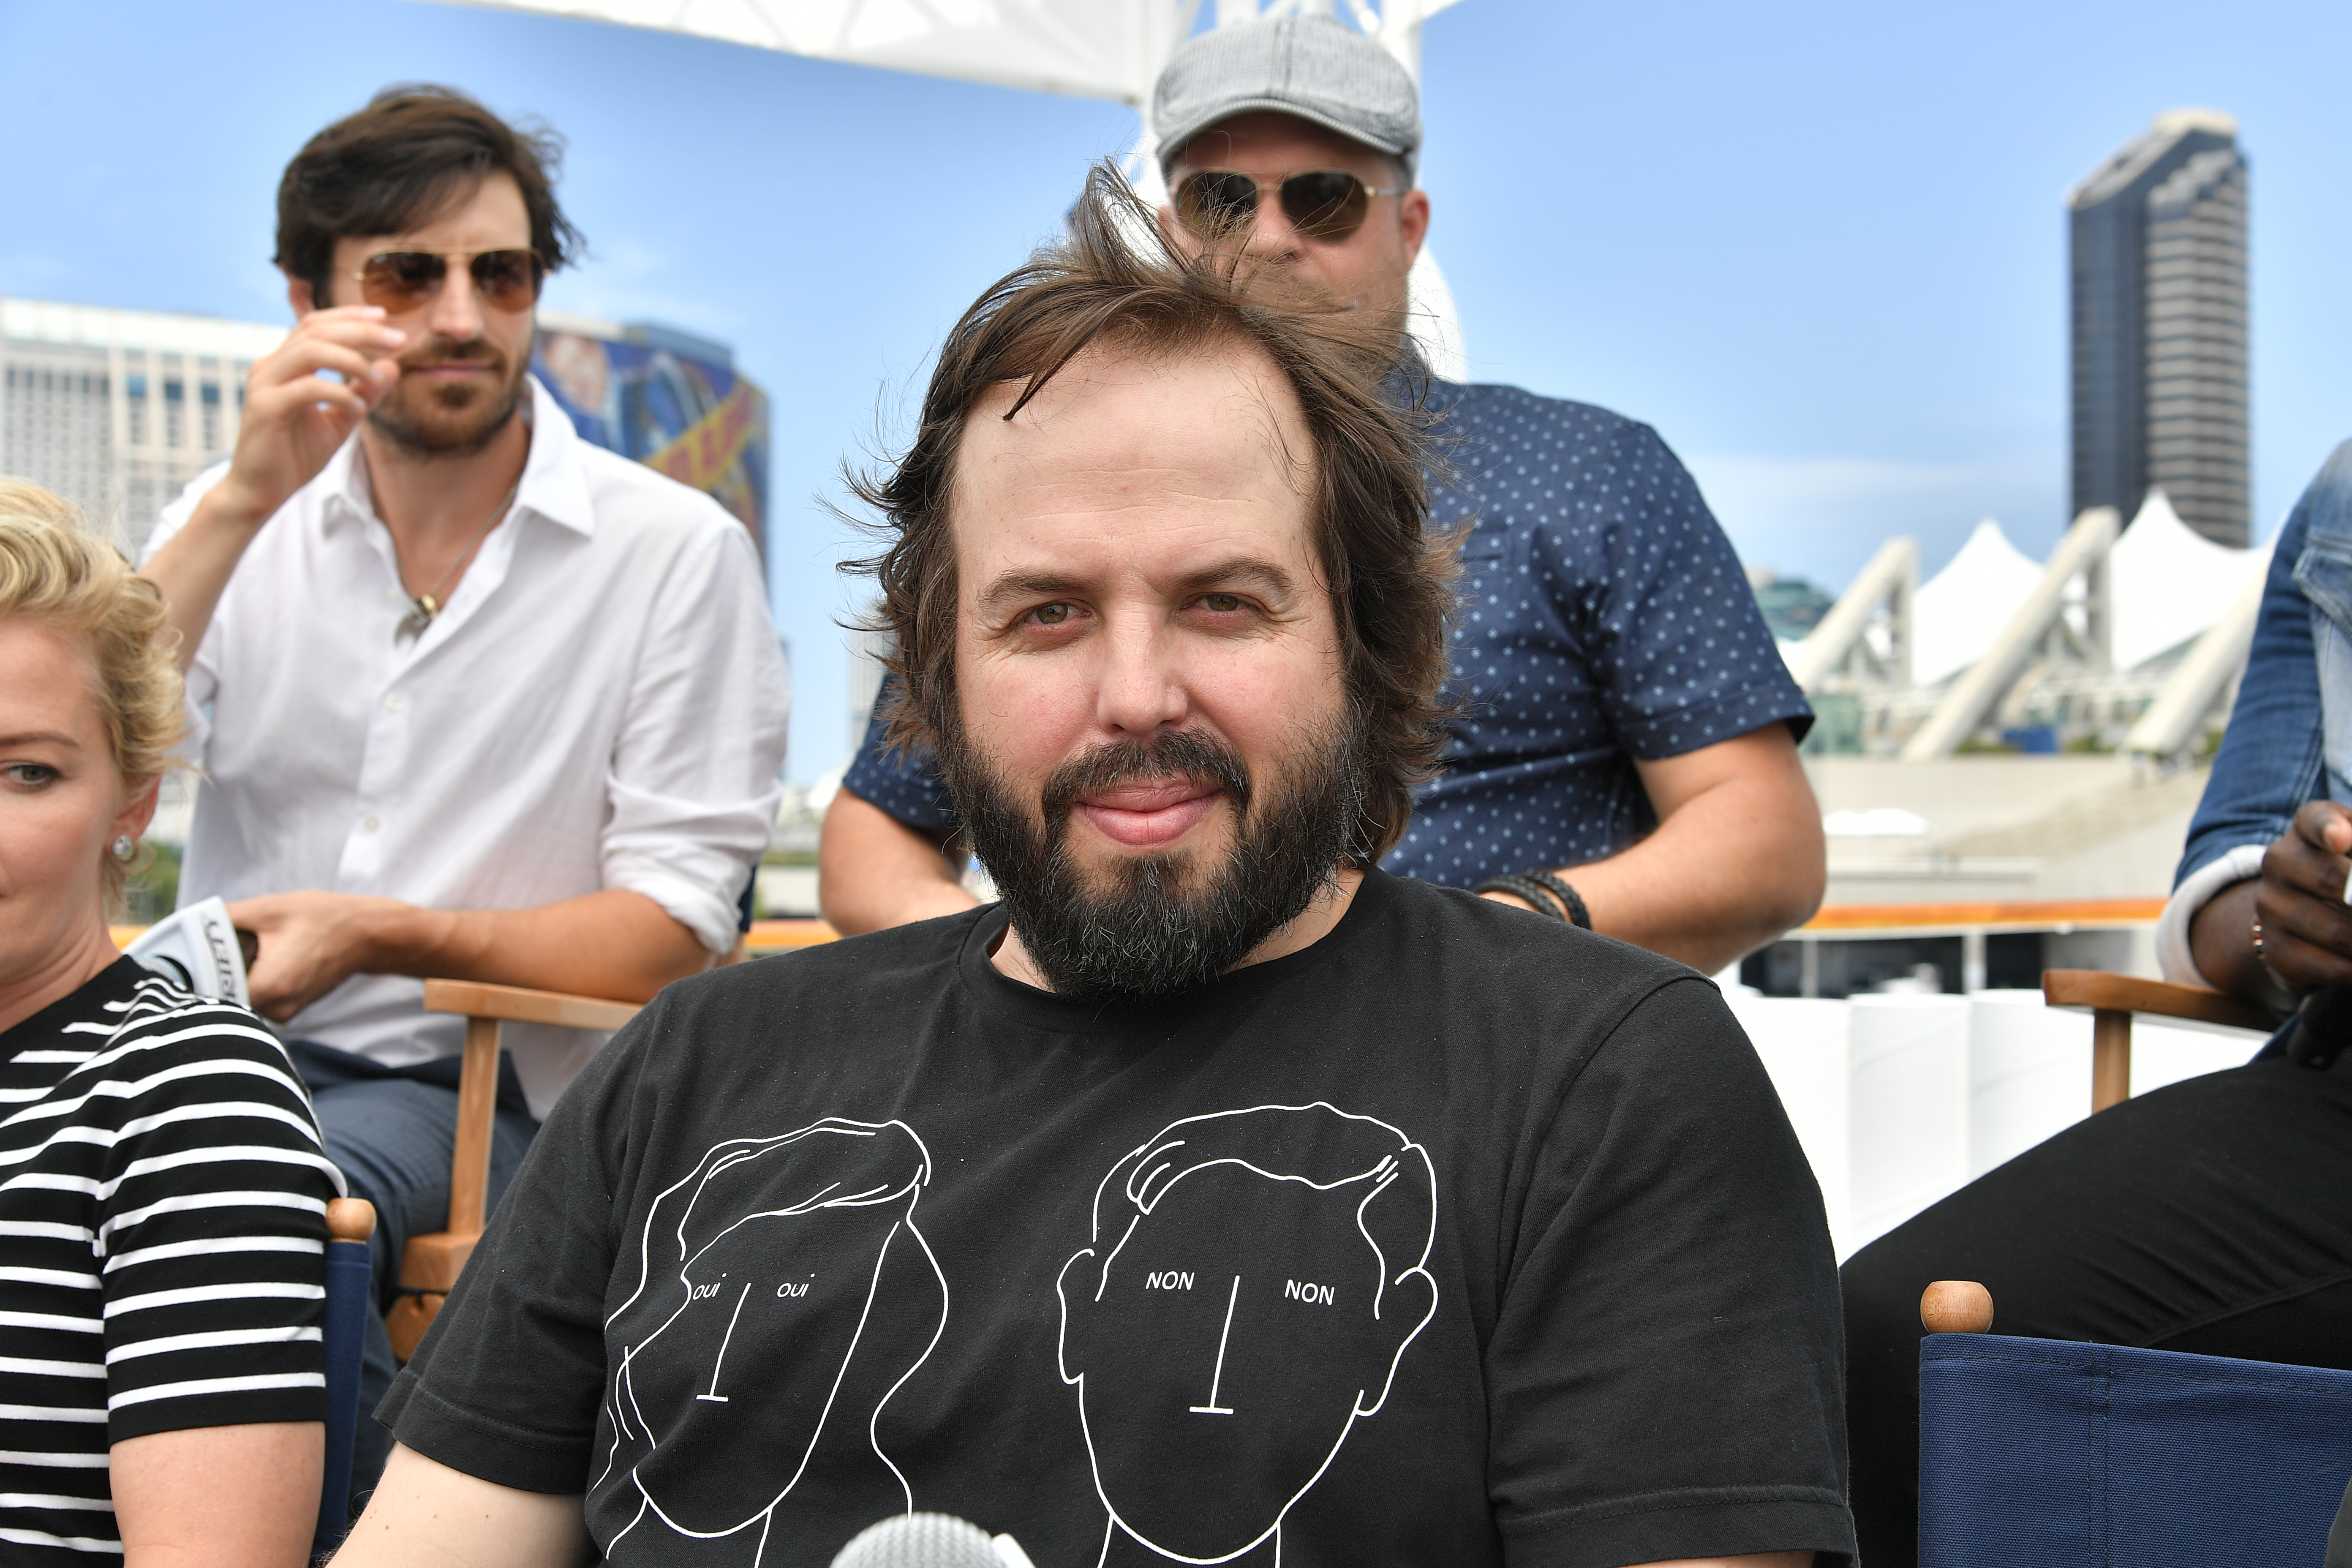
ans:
(1569, 900)
(1536, 897)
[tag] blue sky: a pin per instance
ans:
(1820, 247)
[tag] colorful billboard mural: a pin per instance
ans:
(688, 414)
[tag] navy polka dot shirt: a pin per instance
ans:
(1604, 617)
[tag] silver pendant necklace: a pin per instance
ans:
(424, 608)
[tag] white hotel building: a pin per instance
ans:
(117, 410)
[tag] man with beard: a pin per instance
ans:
(1623, 750)
(1272, 1207)
(473, 698)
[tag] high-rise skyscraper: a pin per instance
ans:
(2158, 255)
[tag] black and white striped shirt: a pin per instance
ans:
(163, 1221)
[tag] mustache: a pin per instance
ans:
(1164, 923)
(446, 351)
(1182, 753)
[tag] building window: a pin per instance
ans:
(134, 395)
(212, 416)
(175, 413)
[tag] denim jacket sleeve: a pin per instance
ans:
(2273, 757)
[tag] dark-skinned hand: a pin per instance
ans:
(2306, 926)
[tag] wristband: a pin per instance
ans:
(2241, 863)
(1537, 897)
(1569, 900)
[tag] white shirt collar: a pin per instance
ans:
(554, 484)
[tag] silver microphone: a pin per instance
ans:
(930, 1540)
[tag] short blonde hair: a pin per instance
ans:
(55, 569)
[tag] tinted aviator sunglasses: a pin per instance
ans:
(1327, 204)
(404, 279)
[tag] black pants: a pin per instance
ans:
(2212, 1216)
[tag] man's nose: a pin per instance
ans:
(458, 308)
(1272, 237)
(1141, 691)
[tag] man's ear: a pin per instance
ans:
(1412, 221)
(299, 295)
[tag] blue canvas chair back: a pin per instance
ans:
(350, 1296)
(2038, 1453)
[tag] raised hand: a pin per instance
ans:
(296, 414)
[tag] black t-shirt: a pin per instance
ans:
(1460, 1237)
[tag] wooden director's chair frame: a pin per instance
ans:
(429, 1265)
(2112, 999)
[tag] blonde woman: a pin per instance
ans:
(163, 1193)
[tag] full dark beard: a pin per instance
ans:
(446, 437)
(1164, 926)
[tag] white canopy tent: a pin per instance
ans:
(1088, 48)
(2169, 583)
(1958, 613)
(2107, 604)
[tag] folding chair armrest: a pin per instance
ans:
(518, 1005)
(430, 1263)
(485, 1007)
(2107, 992)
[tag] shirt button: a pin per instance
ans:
(371, 824)
(393, 702)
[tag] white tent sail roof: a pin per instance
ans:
(2169, 583)
(1090, 48)
(1957, 614)
(2166, 584)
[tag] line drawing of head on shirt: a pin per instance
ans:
(785, 1295)
(1253, 1280)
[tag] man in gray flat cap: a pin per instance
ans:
(1626, 754)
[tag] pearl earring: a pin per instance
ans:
(123, 847)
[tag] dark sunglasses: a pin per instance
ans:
(1327, 204)
(404, 279)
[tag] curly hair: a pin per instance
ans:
(1108, 286)
(55, 570)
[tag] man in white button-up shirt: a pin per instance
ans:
(473, 698)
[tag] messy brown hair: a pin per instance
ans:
(397, 164)
(1116, 283)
